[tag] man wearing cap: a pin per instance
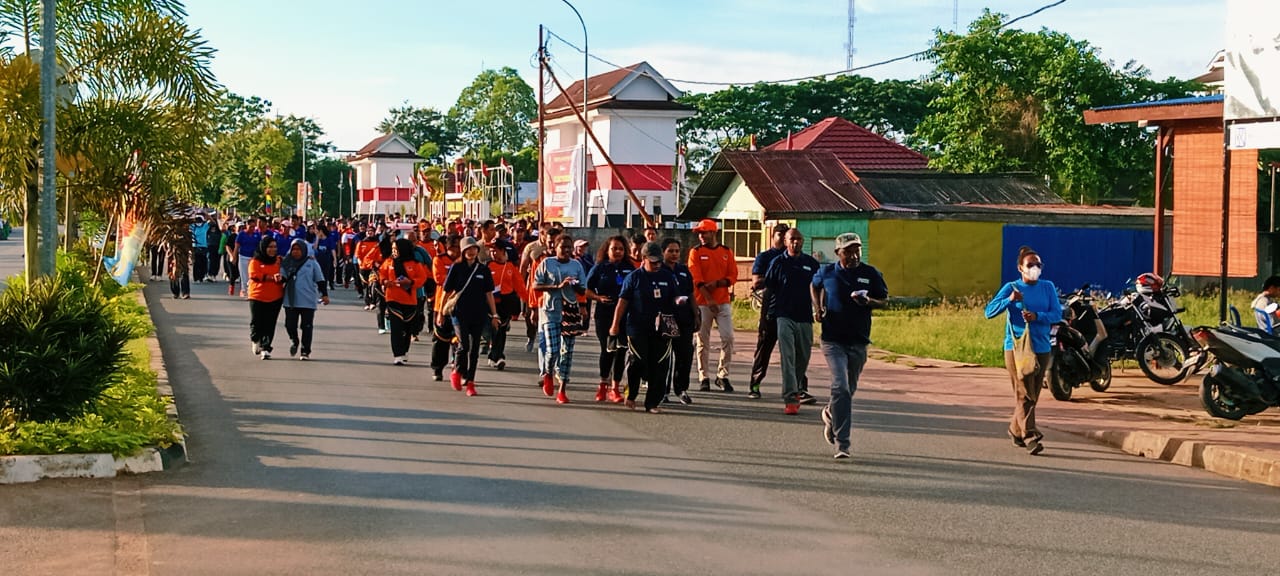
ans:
(715, 270)
(844, 293)
(791, 305)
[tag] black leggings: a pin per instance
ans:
(262, 321)
(157, 260)
(682, 361)
(399, 317)
(468, 347)
(650, 357)
(304, 318)
(613, 363)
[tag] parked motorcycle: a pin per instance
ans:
(1144, 325)
(1078, 357)
(1245, 377)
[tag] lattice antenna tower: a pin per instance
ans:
(848, 46)
(955, 17)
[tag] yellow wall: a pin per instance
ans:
(930, 259)
(737, 203)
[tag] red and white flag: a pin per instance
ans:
(397, 181)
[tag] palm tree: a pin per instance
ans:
(133, 75)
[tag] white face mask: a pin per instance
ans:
(1032, 274)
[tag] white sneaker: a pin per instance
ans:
(381, 331)
(256, 349)
(490, 363)
(501, 364)
(842, 455)
(305, 357)
(266, 355)
(399, 361)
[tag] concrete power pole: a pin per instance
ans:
(49, 191)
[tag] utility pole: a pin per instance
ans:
(49, 191)
(542, 115)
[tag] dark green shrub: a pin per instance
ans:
(62, 343)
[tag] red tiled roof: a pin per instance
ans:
(371, 150)
(857, 147)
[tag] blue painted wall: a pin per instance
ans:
(1075, 256)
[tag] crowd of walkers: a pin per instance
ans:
(464, 284)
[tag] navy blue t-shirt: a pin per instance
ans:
(606, 279)
(684, 287)
(472, 304)
(760, 266)
(647, 294)
(846, 322)
(787, 281)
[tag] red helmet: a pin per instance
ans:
(1148, 284)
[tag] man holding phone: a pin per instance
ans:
(844, 293)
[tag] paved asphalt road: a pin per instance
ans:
(349, 465)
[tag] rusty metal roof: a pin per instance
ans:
(783, 182)
(942, 189)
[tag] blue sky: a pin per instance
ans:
(346, 63)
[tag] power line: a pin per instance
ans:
(916, 54)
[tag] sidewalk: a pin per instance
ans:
(1135, 415)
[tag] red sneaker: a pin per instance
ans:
(455, 379)
(471, 389)
(791, 409)
(231, 290)
(615, 396)
(602, 393)
(562, 398)
(548, 385)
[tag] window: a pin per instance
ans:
(742, 236)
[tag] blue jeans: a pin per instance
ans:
(846, 362)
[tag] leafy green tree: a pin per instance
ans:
(524, 163)
(420, 127)
(234, 112)
(728, 118)
(1012, 100)
(124, 60)
(330, 175)
(239, 161)
(496, 112)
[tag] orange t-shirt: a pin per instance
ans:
(367, 253)
(262, 286)
(709, 265)
(440, 271)
(506, 279)
(394, 293)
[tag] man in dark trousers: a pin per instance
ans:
(767, 330)
(844, 294)
(788, 279)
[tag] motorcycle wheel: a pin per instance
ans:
(1103, 381)
(1058, 386)
(1213, 399)
(1163, 359)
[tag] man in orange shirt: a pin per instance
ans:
(715, 270)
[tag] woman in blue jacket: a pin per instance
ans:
(1030, 304)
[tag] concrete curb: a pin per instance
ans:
(1231, 461)
(24, 469)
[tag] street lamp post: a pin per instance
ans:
(585, 62)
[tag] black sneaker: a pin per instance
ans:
(685, 399)
(1020, 443)
(1034, 446)
(704, 385)
(754, 394)
(293, 349)
(724, 385)
(806, 398)
(842, 454)
(828, 432)
(437, 376)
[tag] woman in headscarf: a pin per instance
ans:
(401, 277)
(645, 311)
(266, 295)
(304, 285)
(604, 282)
(472, 283)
